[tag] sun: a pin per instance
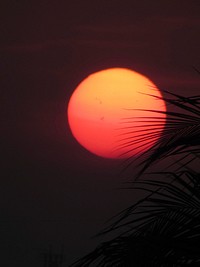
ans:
(109, 113)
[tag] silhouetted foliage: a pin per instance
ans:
(163, 227)
(181, 134)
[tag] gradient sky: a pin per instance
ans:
(52, 191)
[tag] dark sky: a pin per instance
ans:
(52, 191)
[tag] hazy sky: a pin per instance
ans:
(52, 191)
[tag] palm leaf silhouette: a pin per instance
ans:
(163, 227)
(181, 135)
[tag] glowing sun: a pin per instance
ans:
(109, 113)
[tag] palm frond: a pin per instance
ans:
(181, 133)
(162, 229)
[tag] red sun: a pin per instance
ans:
(108, 113)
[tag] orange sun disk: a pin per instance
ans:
(108, 113)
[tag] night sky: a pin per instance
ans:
(53, 191)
